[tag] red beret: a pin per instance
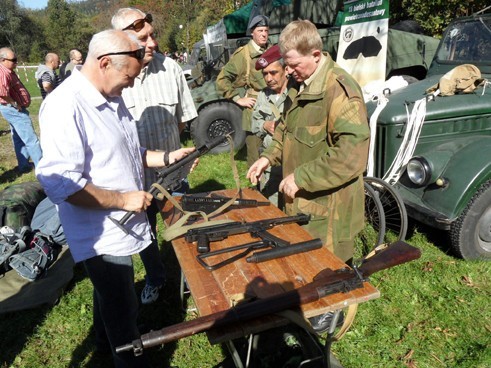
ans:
(268, 57)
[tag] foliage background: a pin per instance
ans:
(63, 25)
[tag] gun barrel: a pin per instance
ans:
(279, 252)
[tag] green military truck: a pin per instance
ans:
(409, 54)
(447, 181)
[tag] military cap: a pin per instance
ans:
(258, 21)
(268, 57)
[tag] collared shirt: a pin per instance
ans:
(268, 107)
(159, 100)
(87, 138)
(10, 85)
(309, 80)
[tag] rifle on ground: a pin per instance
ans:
(325, 283)
(206, 234)
(210, 204)
(170, 177)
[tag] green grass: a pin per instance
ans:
(433, 312)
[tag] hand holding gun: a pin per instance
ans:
(170, 177)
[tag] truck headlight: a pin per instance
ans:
(419, 171)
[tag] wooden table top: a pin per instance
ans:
(218, 290)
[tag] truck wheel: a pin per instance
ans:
(471, 232)
(215, 120)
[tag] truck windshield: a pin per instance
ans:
(467, 41)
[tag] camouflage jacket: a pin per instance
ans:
(324, 142)
(239, 78)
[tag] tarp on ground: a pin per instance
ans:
(281, 12)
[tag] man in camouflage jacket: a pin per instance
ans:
(323, 143)
(241, 82)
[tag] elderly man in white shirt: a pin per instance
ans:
(92, 168)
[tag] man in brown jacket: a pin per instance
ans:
(241, 82)
(322, 144)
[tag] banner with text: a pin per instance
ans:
(363, 40)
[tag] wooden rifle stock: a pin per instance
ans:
(325, 283)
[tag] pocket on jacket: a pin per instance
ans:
(311, 135)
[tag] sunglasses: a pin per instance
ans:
(138, 24)
(14, 60)
(137, 54)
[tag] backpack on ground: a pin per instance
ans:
(18, 203)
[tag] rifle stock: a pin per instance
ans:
(326, 283)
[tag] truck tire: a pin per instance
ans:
(471, 233)
(215, 120)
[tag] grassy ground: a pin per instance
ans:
(433, 312)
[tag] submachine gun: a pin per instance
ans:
(170, 177)
(325, 283)
(258, 229)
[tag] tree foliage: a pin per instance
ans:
(179, 24)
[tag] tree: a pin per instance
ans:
(17, 29)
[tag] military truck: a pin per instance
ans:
(446, 183)
(409, 54)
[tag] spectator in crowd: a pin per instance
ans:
(99, 174)
(268, 111)
(46, 75)
(241, 82)
(14, 101)
(161, 104)
(75, 58)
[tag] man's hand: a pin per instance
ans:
(288, 186)
(257, 169)
(247, 102)
(137, 201)
(269, 126)
(180, 153)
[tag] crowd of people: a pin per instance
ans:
(122, 112)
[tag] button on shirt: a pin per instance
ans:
(88, 138)
(159, 100)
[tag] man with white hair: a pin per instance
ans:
(161, 104)
(92, 169)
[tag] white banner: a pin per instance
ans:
(362, 48)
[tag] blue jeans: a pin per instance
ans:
(115, 306)
(150, 256)
(25, 140)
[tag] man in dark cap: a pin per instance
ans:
(268, 111)
(241, 82)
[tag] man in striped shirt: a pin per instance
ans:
(46, 75)
(14, 100)
(161, 104)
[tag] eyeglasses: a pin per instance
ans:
(138, 24)
(137, 54)
(14, 60)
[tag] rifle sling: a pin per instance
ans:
(179, 228)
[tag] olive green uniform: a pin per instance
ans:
(324, 142)
(239, 78)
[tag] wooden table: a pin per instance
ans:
(218, 290)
